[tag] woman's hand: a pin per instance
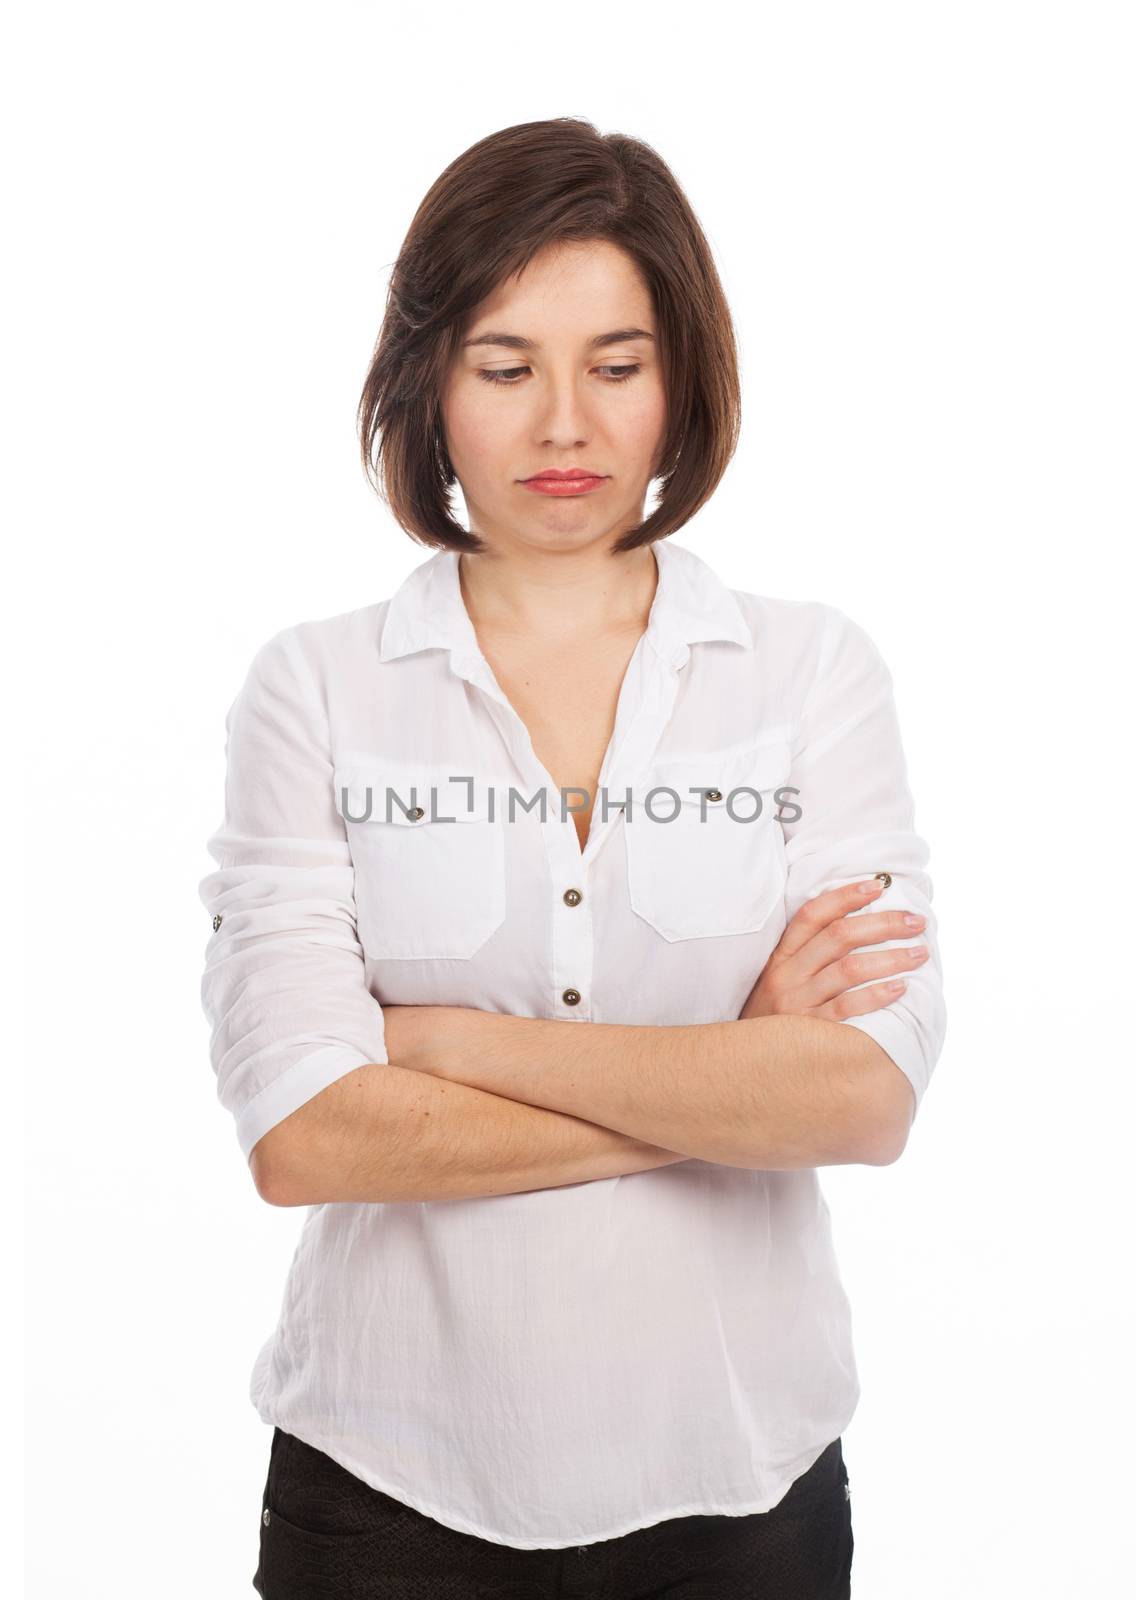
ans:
(812, 970)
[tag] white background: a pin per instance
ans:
(923, 219)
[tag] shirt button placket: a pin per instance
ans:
(571, 942)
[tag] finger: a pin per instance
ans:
(858, 1002)
(840, 938)
(850, 932)
(817, 913)
(842, 976)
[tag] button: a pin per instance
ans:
(415, 813)
(847, 1492)
(581, 1549)
(571, 997)
(216, 922)
(886, 876)
(713, 794)
(572, 897)
(265, 1517)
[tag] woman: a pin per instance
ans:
(564, 1317)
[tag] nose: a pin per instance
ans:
(563, 417)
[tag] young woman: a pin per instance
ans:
(564, 1317)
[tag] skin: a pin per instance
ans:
(557, 615)
(548, 588)
(548, 573)
(475, 1102)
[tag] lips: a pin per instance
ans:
(563, 485)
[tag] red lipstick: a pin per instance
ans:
(572, 480)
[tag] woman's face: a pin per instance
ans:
(560, 401)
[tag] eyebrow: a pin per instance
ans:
(515, 341)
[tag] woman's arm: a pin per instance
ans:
(754, 1100)
(383, 1133)
(389, 1133)
(770, 1092)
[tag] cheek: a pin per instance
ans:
(474, 432)
(645, 422)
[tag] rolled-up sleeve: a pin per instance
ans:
(283, 988)
(858, 819)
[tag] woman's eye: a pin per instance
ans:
(509, 375)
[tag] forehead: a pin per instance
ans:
(582, 286)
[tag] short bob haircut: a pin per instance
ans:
(491, 210)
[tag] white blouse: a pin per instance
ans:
(564, 1365)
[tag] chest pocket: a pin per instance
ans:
(426, 888)
(708, 872)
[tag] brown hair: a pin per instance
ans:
(486, 216)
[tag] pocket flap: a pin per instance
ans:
(764, 767)
(388, 792)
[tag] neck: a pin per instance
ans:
(558, 596)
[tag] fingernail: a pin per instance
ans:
(911, 919)
(895, 986)
(870, 886)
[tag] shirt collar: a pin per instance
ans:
(692, 605)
